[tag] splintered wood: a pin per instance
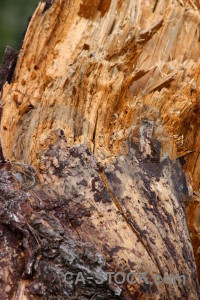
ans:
(104, 103)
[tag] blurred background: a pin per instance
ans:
(14, 16)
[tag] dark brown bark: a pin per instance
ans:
(7, 66)
(53, 228)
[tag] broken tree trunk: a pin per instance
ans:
(99, 133)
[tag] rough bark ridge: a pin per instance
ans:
(97, 123)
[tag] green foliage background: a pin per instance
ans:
(14, 16)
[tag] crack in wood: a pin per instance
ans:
(94, 133)
(130, 224)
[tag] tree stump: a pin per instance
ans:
(100, 153)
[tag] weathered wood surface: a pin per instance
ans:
(126, 216)
(104, 104)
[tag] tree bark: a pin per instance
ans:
(100, 166)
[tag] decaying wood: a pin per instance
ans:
(100, 131)
(114, 218)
